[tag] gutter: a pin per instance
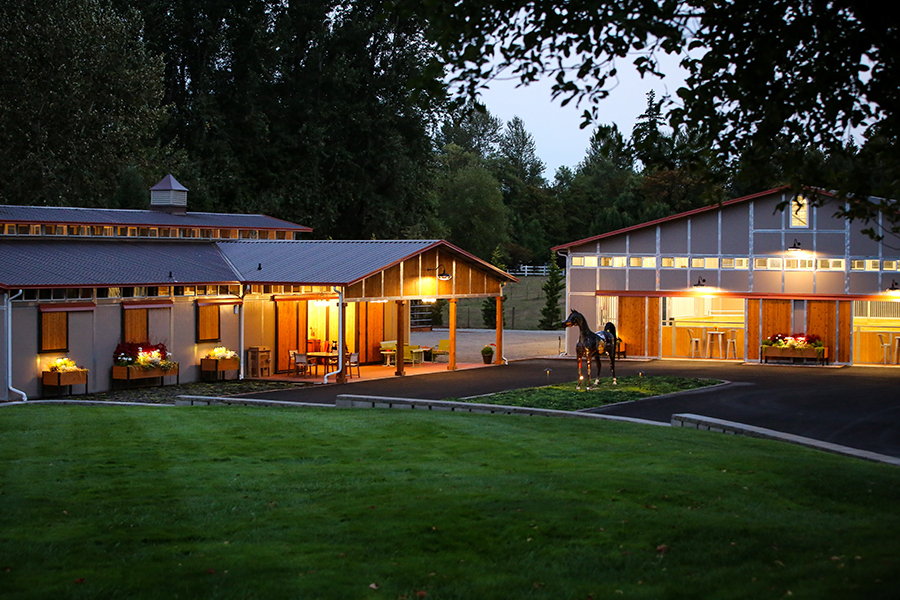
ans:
(340, 366)
(9, 385)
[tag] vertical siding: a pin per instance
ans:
(753, 327)
(845, 331)
(821, 320)
(632, 324)
(653, 327)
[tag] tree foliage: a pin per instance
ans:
(800, 73)
(79, 101)
(553, 289)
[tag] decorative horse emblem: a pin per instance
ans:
(591, 345)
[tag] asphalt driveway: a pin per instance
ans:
(858, 407)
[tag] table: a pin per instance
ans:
(421, 355)
(388, 354)
(720, 336)
(324, 358)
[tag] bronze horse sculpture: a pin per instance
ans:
(591, 346)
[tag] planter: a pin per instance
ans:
(132, 372)
(794, 354)
(60, 379)
(487, 358)
(219, 365)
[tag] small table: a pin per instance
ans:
(720, 336)
(421, 355)
(324, 358)
(388, 355)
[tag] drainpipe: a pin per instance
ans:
(502, 328)
(340, 367)
(241, 335)
(565, 254)
(9, 371)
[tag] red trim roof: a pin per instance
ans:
(689, 213)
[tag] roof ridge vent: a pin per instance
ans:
(169, 196)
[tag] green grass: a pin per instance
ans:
(133, 502)
(567, 397)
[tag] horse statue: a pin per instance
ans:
(591, 345)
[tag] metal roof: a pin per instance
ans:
(335, 262)
(95, 262)
(70, 215)
(44, 262)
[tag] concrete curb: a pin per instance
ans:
(83, 403)
(235, 401)
(702, 423)
(355, 401)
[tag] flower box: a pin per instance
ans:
(136, 372)
(213, 366)
(62, 378)
(800, 354)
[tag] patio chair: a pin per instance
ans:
(353, 361)
(298, 363)
(696, 343)
(442, 349)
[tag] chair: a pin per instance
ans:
(388, 349)
(353, 361)
(442, 348)
(731, 343)
(298, 363)
(885, 349)
(695, 343)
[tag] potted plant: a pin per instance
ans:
(64, 371)
(487, 354)
(220, 359)
(141, 361)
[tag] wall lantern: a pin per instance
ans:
(442, 275)
(701, 282)
(894, 287)
(795, 247)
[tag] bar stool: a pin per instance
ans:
(885, 349)
(719, 335)
(695, 343)
(731, 343)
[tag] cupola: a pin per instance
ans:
(169, 196)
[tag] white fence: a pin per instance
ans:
(526, 270)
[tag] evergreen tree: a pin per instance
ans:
(489, 306)
(551, 317)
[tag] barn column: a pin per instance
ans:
(451, 359)
(401, 337)
(498, 357)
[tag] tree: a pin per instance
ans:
(80, 101)
(489, 306)
(802, 70)
(553, 288)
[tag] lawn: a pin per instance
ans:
(157, 502)
(568, 397)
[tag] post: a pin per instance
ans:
(451, 359)
(342, 342)
(401, 337)
(498, 360)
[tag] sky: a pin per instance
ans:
(556, 132)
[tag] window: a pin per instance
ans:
(634, 261)
(799, 263)
(799, 212)
(864, 265)
(667, 262)
(681, 262)
(697, 263)
(619, 261)
(208, 323)
(742, 263)
(648, 262)
(889, 265)
(711, 263)
(577, 261)
(54, 332)
(760, 263)
(590, 261)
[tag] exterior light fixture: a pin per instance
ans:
(701, 282)
(894, 287)
(442, 275)
(429, 300)
(795, 247)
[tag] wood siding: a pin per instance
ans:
(632, 324)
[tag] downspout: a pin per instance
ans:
(565, 254)
(241, 334)
(9, 353)
(503, 329)
(340, 367)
